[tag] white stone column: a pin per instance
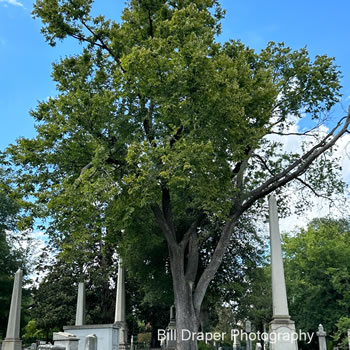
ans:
(120, 302)
(349, 337)
(321, 338)
(81, 305)
(281, 327)
(279, 293)
(12, 340)
(120, 305)
(132, 343)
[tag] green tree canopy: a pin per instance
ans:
(155, 114)
(10, 259)
(318, 275)
(15, 250)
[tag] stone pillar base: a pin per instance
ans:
(283, 334)
(123, 333)
(124, 347)
(12, 344)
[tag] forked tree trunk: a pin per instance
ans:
(189, 289)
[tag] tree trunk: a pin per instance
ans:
(187, 321)
(187, 316)
(189, 291)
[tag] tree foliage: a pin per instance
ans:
(94, 262)
(318, 275)
(341, 337)
(55, 295)
(10, 260)
(255, 302)
(14, 250)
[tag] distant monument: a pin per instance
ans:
(81, 303)
(120, 319)
(170, 342)
(281, 325)
(91, 337)
(12, 340)
(321, 338)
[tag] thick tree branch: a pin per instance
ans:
(237, 169)
(192, 259)
(150, 23)
(163, 224)
(193, 227)
(88, 166)
(210, 271)
(242, 168)
(167, 212)
(299, 166)
(293, 171)
(85, 168)
(147, 122)
(177, 136)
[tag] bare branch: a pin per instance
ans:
(306, 133)
(310, 188)
(263, 163)
(276, 122)
(299, 166)
(102, 44)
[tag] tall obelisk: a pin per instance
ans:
(282, 329)
(120, 306)
(12, 340)
(81, 305)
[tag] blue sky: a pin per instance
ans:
(25, 58)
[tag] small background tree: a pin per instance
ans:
(318, 276)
